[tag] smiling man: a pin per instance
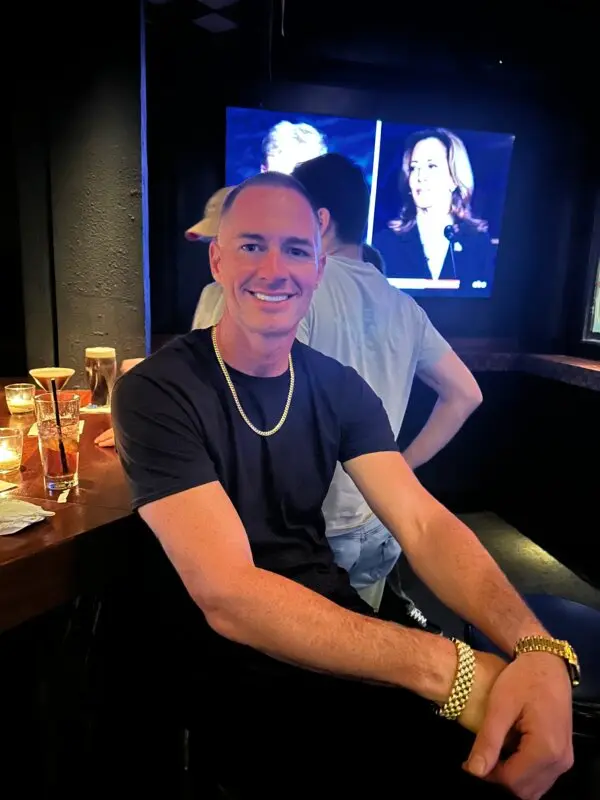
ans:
(230, 438)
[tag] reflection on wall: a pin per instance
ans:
(596, 312)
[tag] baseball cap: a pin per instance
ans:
(208, 226)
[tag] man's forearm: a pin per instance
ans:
(453, 563)
(446, 419)
(287, 621)
(443, 552)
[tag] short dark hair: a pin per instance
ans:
(336, 183)
(269, 179)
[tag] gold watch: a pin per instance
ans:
(557, 647)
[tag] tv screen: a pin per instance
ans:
(437, 195)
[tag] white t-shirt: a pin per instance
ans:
(357, 318)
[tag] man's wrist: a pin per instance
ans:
(439, 680)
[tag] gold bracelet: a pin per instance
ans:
(463, 682)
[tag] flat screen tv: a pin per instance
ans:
(437, 195)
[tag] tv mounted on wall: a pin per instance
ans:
(437, 195)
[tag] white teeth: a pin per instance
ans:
(271, 298)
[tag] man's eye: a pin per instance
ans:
(298, 252)
(250, 247)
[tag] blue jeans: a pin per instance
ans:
(367, 553)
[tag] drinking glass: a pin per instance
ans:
(101, 371)
(58, 438)
(19, 397)
(11, 449)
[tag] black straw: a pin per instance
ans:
(61, 446)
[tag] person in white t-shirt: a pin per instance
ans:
(359, 319)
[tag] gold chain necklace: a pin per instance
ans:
(236, 399)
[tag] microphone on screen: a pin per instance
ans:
(450, 234)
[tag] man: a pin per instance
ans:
(288, 144)
(230, 438)
(360, 320)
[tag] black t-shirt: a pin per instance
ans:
(177, 427)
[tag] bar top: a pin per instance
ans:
(49, 563)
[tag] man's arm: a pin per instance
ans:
(205, 540)
(532, 697)
(444, 553)
(458, 396)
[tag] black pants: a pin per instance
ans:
(283, 732)
(313, 736)
(272, 730)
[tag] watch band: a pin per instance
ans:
(463, 682)
(556, 647)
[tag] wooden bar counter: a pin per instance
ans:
(76, 550)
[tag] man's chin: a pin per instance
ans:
(272, 327)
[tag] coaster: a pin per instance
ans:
(33, 430)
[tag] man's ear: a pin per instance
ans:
(324, 220)
(214, 257)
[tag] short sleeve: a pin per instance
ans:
(365, 427)
(432, 345)
(159, 442)
(210, 307)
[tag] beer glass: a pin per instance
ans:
(101, 371)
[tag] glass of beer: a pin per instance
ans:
(101, 371)
(58, 438)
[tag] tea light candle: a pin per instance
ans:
(11, 449)
(19, 398)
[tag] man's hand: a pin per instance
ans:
(106, 438)
(531, 703)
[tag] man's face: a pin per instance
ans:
(267, 258)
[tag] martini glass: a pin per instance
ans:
(47, 377)
(52, 380)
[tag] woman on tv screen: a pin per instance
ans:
(436, 242)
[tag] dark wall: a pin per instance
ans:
(186, 128)
(549, 484)
(12, 339)
(80, 173)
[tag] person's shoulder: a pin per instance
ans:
(474, 234)
(328, 372)
(323, 367)
(182, 359)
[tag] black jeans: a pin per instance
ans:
(268, 729)
(284, 732)
(312, 736)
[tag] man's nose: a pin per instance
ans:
(272, 266)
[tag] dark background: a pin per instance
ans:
(342, 71)
(367, 66)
